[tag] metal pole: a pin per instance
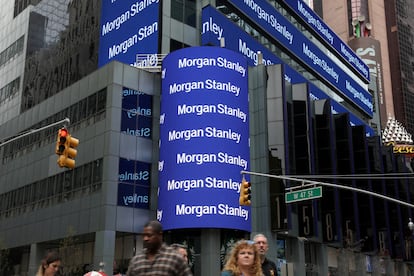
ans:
(313, 183)
(65, 123)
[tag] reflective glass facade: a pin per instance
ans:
(62, 47)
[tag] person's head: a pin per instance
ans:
(115, 268)
(152, 236)
(182, 249)
(50, 264)
(244, 256)
(262, 246)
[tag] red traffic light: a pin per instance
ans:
(66, 149)
(63, 132)
(61, 140)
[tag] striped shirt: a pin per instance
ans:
(167, 262)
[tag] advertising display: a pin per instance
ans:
(134, 183)
(204, 139)
(267, 18)
(317, 94)
(216, 26)
(128, 28)
(292, 76)
(369, 50)
(325, 33)
(136, 117)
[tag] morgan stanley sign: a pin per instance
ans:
(128, 28)
(204, 139)
(288, 36)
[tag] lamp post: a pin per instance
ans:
(410, 225)
(408, 239)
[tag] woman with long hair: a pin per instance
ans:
(50, 264)
(243, 260)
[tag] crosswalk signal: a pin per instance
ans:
(66, 149)
(245, 193)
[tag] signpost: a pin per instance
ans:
(303, 194)
(349, 188)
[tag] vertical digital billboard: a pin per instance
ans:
(369, 50)
(134, 183)
(204, 139)
(136, 117)
(128, 28)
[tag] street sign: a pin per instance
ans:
(303, 194)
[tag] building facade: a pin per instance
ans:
(311, 112)
(399, 26)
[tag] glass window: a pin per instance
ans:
(184, 11)
(97, 171)
(177, 9)
(176, 45)
(190, 13)
(91, 105)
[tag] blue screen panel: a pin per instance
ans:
(136, 116)
(267, 18)
(128, 28)
(134, 183)
(204, 139)
(325, 32)
(216, 26)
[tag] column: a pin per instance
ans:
(210, 248)
(35, 257)
(104, 251)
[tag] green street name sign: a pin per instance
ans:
(304, 194)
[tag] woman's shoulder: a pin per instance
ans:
(226, 273)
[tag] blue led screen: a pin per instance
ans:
(204, 139)
(216, 26)
(317, 94)
(134, 183)
(325, 32)
(136, 117)
(128, 28)
(288, 36)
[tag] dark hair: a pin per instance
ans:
(51, 256)
(155, 225)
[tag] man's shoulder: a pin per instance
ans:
(169, 251)
(269, 262)
(140, 255)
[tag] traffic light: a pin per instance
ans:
(65, 148)
(245, 193)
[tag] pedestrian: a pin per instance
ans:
(243, 260)
(156, 258)
(116, 269)
(268, 266)
(182, 249)
(50, 264)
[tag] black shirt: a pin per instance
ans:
(269, 268)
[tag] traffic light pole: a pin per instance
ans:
(307, 183)
(6, 141)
